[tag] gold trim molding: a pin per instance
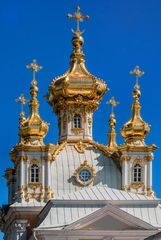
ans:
(80, 146)
(85, 166)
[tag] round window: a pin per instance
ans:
(85, 175)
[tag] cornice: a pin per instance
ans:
(128, 148)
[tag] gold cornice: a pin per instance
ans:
(150, 148)
(78, 101)
(105, 149)
(44, 148)
(148, 158)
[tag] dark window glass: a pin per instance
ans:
(137, 173)
(77, 121)
(34, 173)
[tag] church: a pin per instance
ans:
(79, 189)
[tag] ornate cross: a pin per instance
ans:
(78, 17)
(34, 67)
(138, 73)
(22, 100)
(113, 103)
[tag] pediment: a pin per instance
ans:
(110, 218)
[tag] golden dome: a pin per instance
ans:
(77, 83)
(33, 129)
(136, 129)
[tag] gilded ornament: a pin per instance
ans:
(80, 146)
(126, 188)
(90, 169)
(126, 158)
(28, 196)
(34, 185)
(58, 149)
(78, 17)
(77, 131)
(90, 122)
(137, 185)
(48, 158)
(148, 158)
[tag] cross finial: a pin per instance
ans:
(34, 67)
(78, 17)
(113, 103)
(138, 73)
(22, 100)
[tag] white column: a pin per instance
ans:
(149, 174)
(47, 174)
(145, 175)
(125, 174)
(21, 173)
(43, 174)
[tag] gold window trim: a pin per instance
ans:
(85, 166)
(137, 184)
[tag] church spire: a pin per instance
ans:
(135, 130)
(22, 100)
(112, 122)
(33, 129)
(77, 40)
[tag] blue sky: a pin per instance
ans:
(119, 35)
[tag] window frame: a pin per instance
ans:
(137, 173)
(34, 173)
(77, 121)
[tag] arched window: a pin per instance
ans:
(34, 173)
(137, 173)
(77, 121)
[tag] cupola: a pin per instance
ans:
(136, 129)
(33, 129)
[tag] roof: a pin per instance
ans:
(69, 159)
(66, 210)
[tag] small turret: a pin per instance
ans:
(112, 122)
(136, 129)
(33, 129)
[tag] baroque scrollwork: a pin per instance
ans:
(80, 146)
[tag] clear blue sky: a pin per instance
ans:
(119, 35)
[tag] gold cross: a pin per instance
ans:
(138, 73)
(78, 17)
(34, 68)
(113, 103)
(22, 100)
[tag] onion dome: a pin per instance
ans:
(33, 129)
(112, 122)
(136, 129)
(77, 83)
